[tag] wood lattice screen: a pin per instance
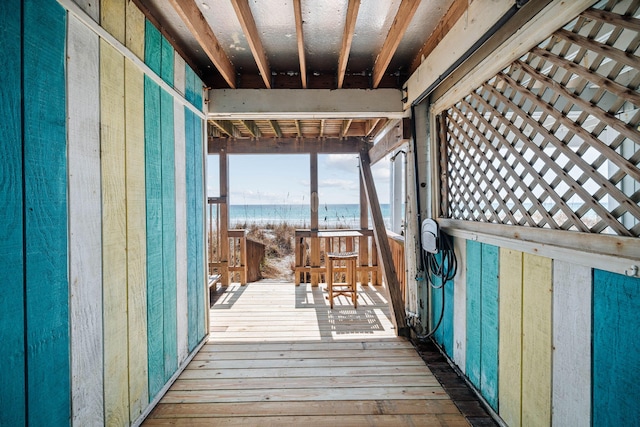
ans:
(552, 140)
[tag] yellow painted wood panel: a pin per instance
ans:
(114, 239)
(510, 341)
(112, 18)
(134, 29)
(136, 240)
(536, 342)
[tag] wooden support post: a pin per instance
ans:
(243, 259)
(315, 241)
(384, 251)
(363, 246)
(223, 243)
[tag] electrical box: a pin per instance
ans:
(430, 235)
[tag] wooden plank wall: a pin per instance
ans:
(12, 318)
(85, 222)
(45, 208)
(34, 302)
(530, 347)
(482, 319)
(74, 312)
(444, 333)
(616, 349)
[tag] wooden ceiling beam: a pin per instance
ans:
(202, 32)
(400, 24)
(297, 8)
(395, 138)
(346, 124)
(225, 127)
(276, 128)
(252, 128)
(370, 125)
(453, 14)
(266, 145)
(248, 24)
(347, 38)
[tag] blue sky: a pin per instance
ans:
(284, 179)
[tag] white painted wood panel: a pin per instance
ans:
(85, 225)
(181, 231)
(460, 305)
(571, 394)
(179, 72)
(91, 7)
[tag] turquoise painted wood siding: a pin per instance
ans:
(12, 380)
(474, 319)
(161, 214)
(444, 333)
(195, 210)
(169, 235)
(153, 186)
(45, 207)
(489, 325)
(34, 302)
(616, 349)
(482, 319)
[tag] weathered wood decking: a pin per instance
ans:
(277, 356)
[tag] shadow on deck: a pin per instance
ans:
(278, 355)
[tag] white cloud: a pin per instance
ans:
(341, 184)
(344, 162)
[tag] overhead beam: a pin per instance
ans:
(288, 104)
(225, 127)
(248, 24)
(393, 139)
(276, 128)
(370, 126)
(297, 9)
(265, 145)
(453, 14)
(251, 127)
(346, 124)
(201, 31)
(396, 304)
(347, 38)
(400, 24)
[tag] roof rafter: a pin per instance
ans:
(276, 128)
(370, 125)
(297, 7)
(346, 124)
(347, 38)
(225, 127)
(201, 31)
(457, 9)
(400, 24)
(252, 128)
(248, 24)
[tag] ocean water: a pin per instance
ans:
(329, 216)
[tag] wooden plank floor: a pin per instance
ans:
(279, 356)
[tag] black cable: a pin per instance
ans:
(445, 269)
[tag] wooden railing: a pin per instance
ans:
(311, 247)
(396, 242)
(245, 257)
